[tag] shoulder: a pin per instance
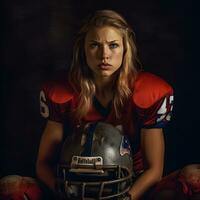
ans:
(149, 88)
(57, 90)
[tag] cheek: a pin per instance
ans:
(90, 56)
(118, 56)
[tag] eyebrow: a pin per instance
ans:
(106, 41)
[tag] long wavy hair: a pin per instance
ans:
(80, 76)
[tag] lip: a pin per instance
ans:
(104, 66)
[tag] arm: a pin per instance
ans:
(49, 146)
(152, 143)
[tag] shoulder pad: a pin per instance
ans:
(57, 92)
(148, 89)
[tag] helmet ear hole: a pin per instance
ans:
(98, 166)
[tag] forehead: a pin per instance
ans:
(104, 34)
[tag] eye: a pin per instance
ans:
(94, 45)
(113, 45)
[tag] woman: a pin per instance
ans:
(105, 83)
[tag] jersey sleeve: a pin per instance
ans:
(54, 101)
(153, 98)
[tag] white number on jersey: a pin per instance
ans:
(44, 110)
(163, 109)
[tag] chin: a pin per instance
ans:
(106, 75)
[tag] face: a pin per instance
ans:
(104, 51)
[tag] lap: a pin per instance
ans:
(182, 184)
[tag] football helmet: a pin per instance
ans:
(95, 163)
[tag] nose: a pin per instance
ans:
(104, 52)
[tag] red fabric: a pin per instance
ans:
(190, 179)
(17, 187)
(148, 89)
(185, 182)
(151, 96)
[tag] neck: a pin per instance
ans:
(104, 90)
(104, 85)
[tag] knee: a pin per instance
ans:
(19, 187)
(169, 188)
(191, 175)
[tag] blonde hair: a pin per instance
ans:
(80, 76)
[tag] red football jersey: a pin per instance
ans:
(150, 106)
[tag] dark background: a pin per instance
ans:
(37, 40)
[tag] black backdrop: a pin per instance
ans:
(37, 40)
